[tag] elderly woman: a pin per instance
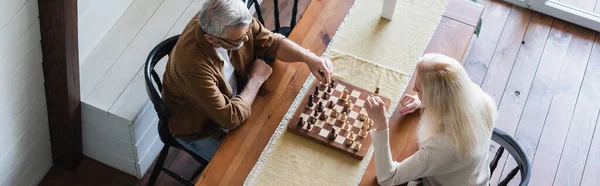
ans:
(211, 78)
(454, 132)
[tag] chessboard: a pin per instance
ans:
(334, 115)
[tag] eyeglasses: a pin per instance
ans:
(237, 41)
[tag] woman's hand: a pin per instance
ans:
(410, 103)
(376, 110)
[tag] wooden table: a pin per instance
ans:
(240, 150)
(451, 37)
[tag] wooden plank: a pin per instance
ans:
(591, 174)
(501, 66)
(450, 38)
(114, 43)
(58, 22)
(19, 23)
(494, 18)
(506, 52)
(561, 109)
(519, 84)
(133, 98)
(541, 94)
(453, 44)
(90, 172)
(579, 138)
(122, 72)
(237, 155)
(464, 11)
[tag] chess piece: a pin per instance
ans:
(351, 136)
(300, 122)
(330, 104)
(332, 134)
(316, 93)
(345, 95)
(349, 103)
(316, 114)
(349, 142)
(357, 146)
(334, 113)
(377, 90)
(333, 83)
(308, 126)
(310, 101)
(346, 125)
(345, 108)
(343, 118)
(363, 133)
(361, 117)
(323, 117)
(312, 120)
(329, 89)
(320, 107)
(325, 96)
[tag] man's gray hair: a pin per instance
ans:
(218, 15)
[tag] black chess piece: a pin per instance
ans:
(325, 96)
(377, 90)
(322, 117)
(332, 134)
(316, 92)
(333, 83)
(312, 120)
(316, 113)
(320, 107)
(330, 104)
(329, 89)
(308, 126)
(300, 122)
(310, 101)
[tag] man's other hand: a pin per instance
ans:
(260, 70)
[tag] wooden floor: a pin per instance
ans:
(542, 72)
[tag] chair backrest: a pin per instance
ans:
(154, 86)
(513, 147)
(276, 20)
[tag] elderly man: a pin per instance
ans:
(212, 77)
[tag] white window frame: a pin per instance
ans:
(561, 11)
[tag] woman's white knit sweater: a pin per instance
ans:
(436, 162)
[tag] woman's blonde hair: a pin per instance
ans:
(453, 104)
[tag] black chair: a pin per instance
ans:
(286, 31)
(153, 88)
(513, 147)
(278, 29)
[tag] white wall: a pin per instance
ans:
(25, 154)
(95, 19)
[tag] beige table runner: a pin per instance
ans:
(367, 51)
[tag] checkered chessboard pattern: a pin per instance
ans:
(320, 129)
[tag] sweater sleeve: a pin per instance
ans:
(431, 159)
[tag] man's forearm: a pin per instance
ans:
(292, 52)
(251, 89)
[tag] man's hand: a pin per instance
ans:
(260, 71)
(321, 68)
(376, 110)
(410, 103)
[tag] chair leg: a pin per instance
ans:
(197, 172)
(158, 165)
